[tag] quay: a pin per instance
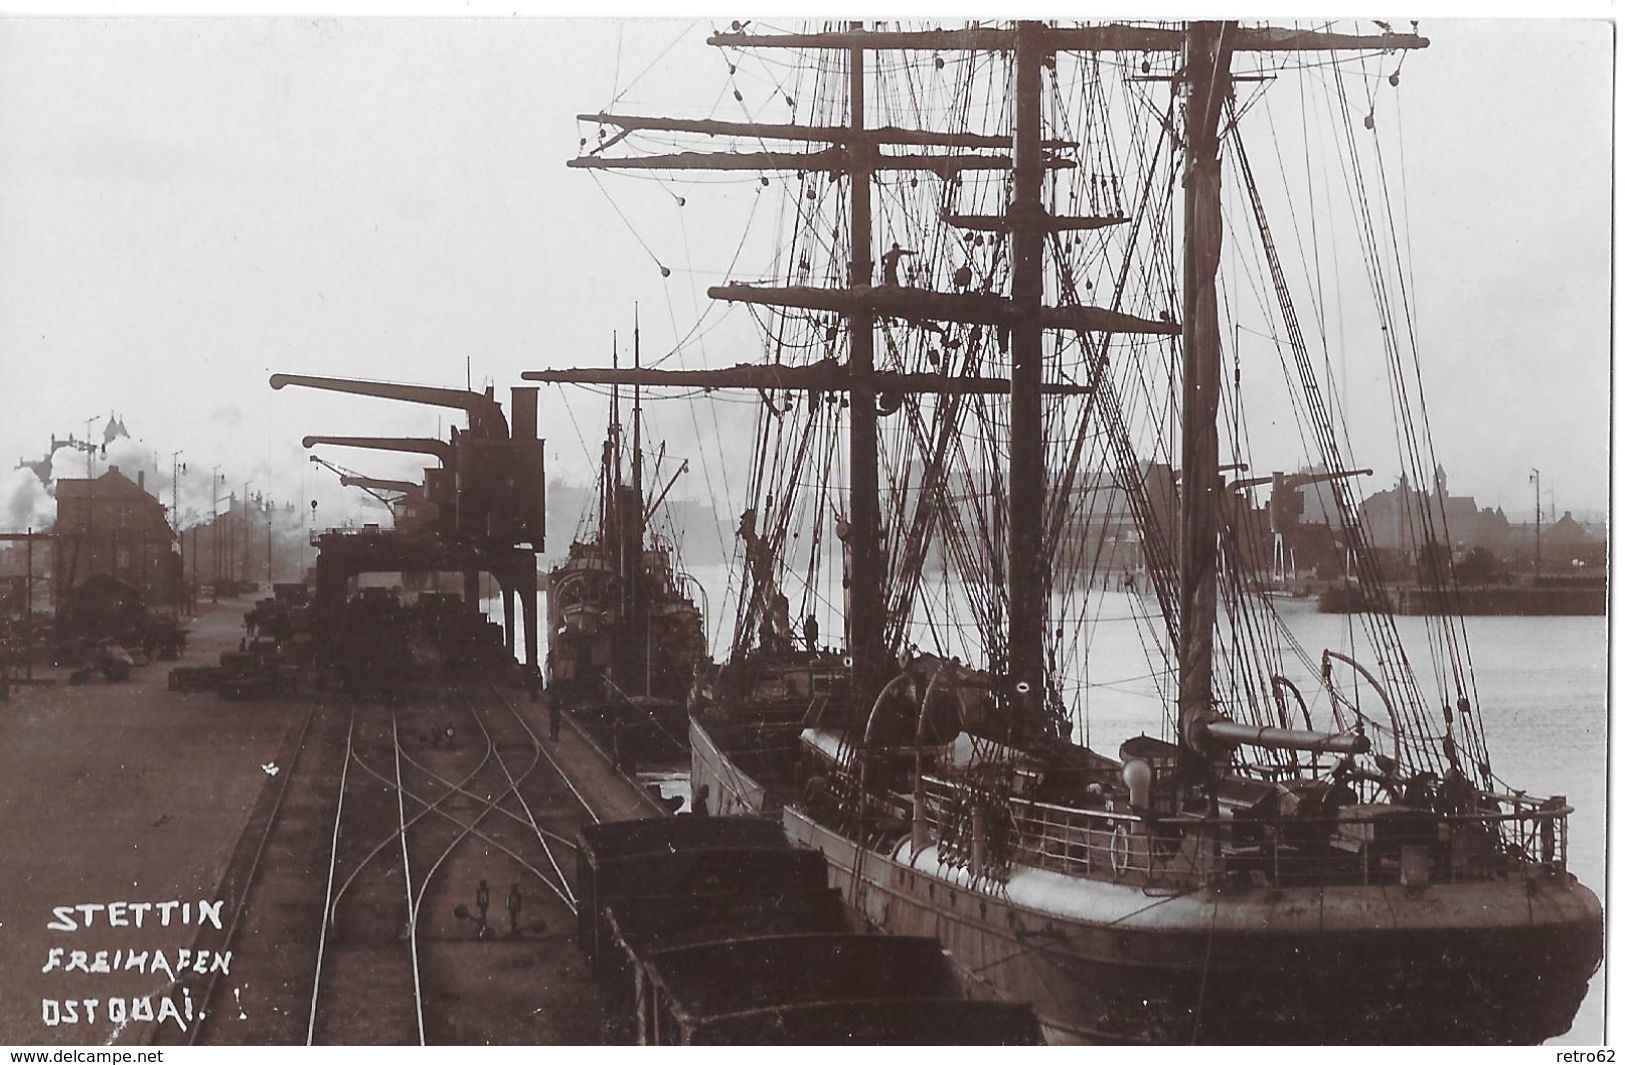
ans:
(287, 810)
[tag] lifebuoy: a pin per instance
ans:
(1119, 849)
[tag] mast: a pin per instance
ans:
(1025, 544)
(617, 530)
(615, 412)
(606, 476)
(631, 518)
(1206, 85)
(637, 413)
(865, 619)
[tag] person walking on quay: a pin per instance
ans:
(555, 713)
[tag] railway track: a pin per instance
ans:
(432, 902)
(292, 807)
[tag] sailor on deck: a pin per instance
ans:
(888, 263)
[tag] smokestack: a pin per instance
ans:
(523, 413)
(141, 479)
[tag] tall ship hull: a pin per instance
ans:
(1153, 958)
(1244, 965)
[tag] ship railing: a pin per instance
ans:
(1385, 844)
(1098, 843)
(1512, 836)
(1108, 843)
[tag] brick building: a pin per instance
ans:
(111, 525)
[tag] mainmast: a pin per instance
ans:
(1027, 558)
(866, 577)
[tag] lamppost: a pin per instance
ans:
(90, 505)
(1534, 476)
(214, 523)
(90, 450)
(246, 483)
(175, 470)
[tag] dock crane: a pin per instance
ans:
(401, 491)
(482, 511)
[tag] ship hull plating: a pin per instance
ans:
(1332, 965)
(1474, 963)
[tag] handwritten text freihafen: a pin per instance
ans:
(162, 1006)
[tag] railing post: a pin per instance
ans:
(917, 828)
(1551, 828)
(978, 838)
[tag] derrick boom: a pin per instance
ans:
(382, 484)
(421, 445)
(485, 417)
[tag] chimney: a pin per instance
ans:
(141, 479)
(523, 408)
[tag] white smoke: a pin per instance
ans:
(137, 461)
(133, 460)
(24, 502)
(205, 490)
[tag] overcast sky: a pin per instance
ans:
(189, 205)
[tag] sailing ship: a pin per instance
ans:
(625, 635)
(1294, 849)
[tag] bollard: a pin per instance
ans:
(514, 904)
